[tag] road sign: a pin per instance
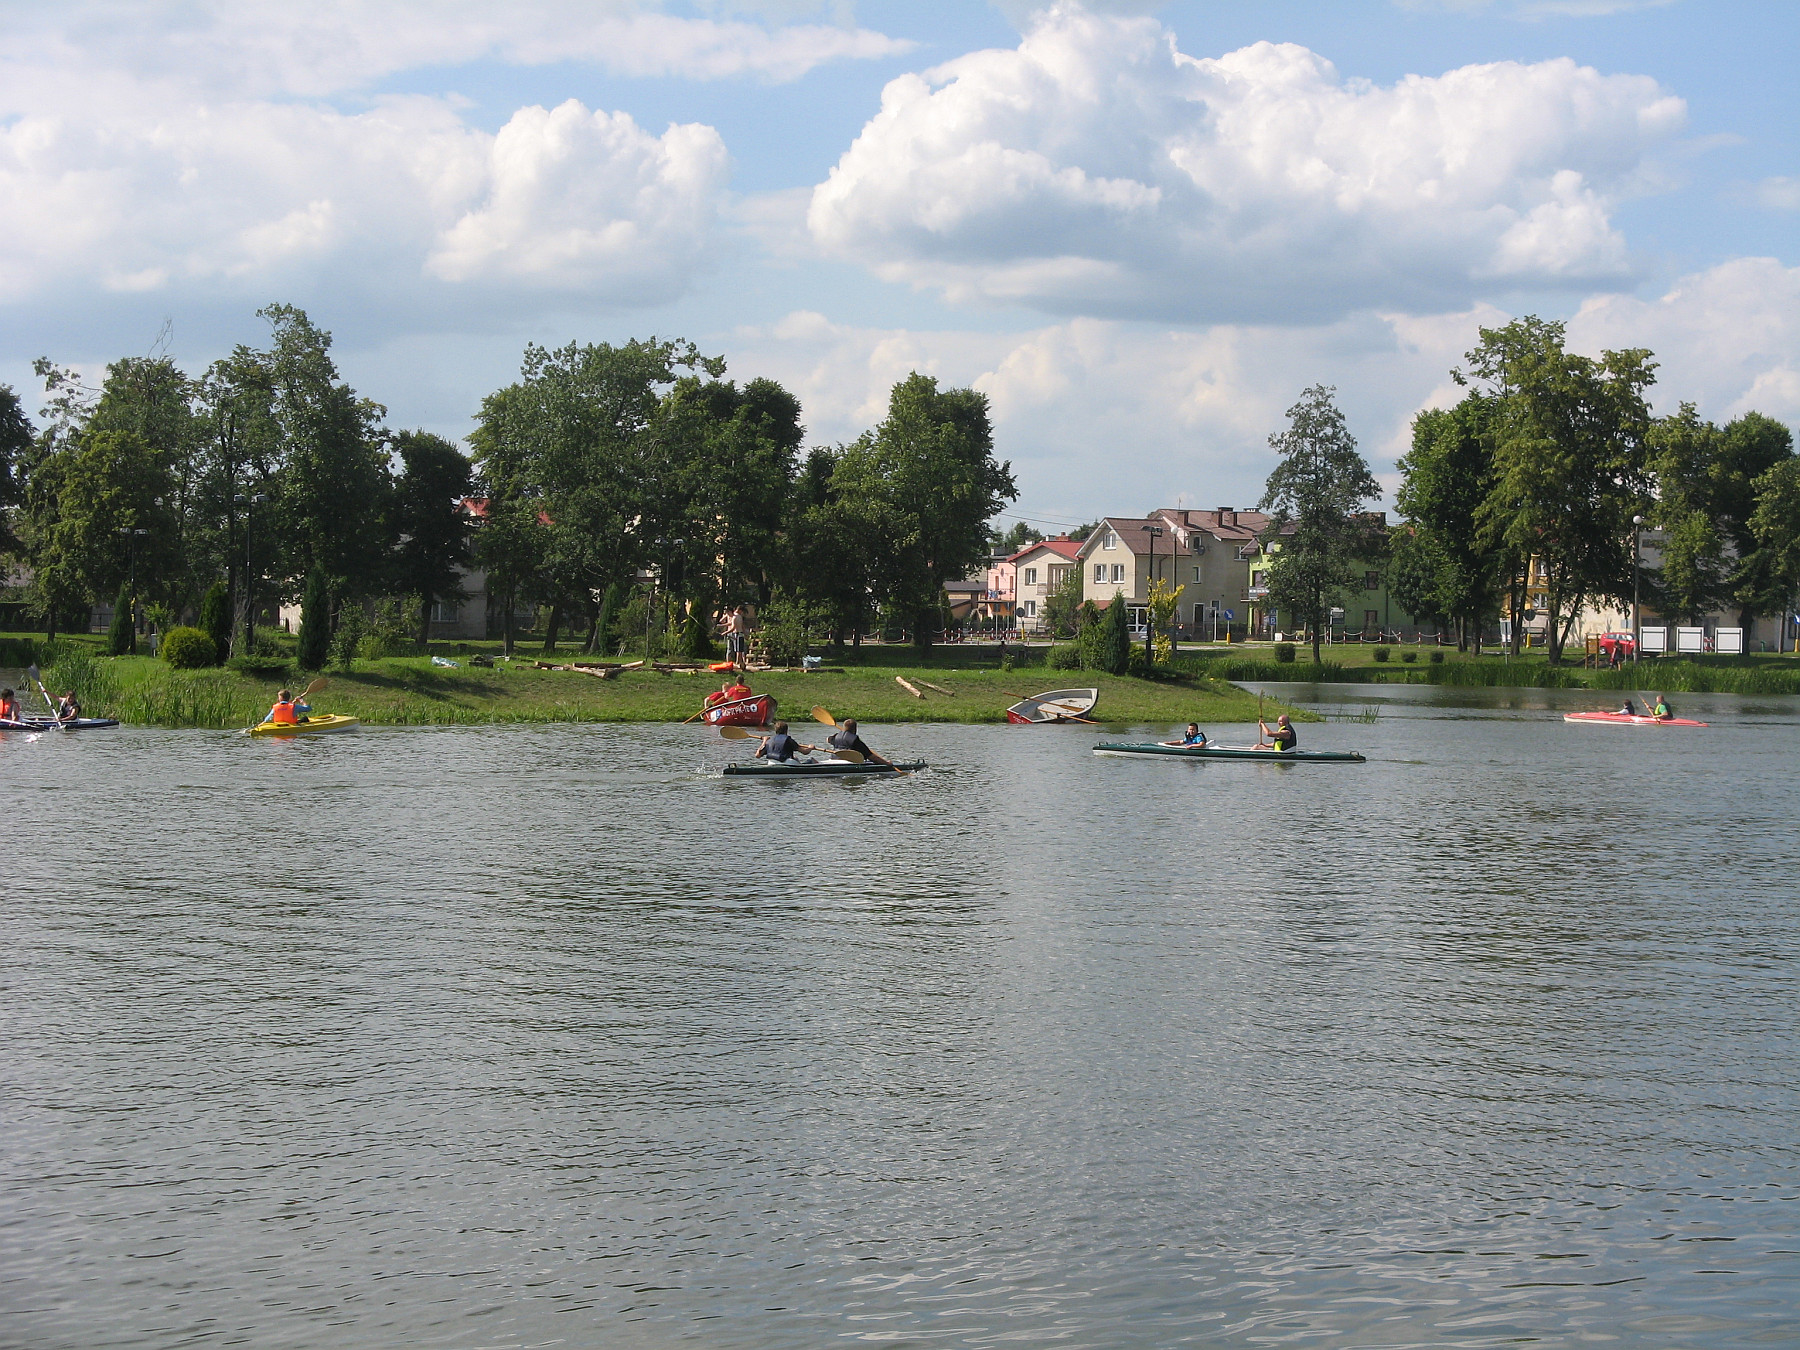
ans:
(1232, 614)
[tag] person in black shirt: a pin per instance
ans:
(1282, 737)
(846, 737)
(782, 746)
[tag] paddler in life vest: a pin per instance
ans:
(846, 737)
(1627, 709)
(1192, 736)
(1662, 712)
(781, 746)
(68, 708)
(1281, 737)
(9, 706)
(287, 710)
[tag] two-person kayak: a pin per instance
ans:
(1619, 719)
(828, 768)
(52, 724)
(1229, 752)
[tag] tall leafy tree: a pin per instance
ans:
(1685, 461)
(1442, 564)
(16, 437)
(429, 521)
(1775, 526)
(579, 490)
(110, 519)
(332, 485)
(1568, 439)
(1312, 498)
(927, 483)
(1752, 446)
(728, 460)
(826, 561)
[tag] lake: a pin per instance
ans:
(536, 1036)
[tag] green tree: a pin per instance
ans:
(1775, 528)
(110, 516)
(314, 647)
(330, 491)
(1011, 541)
(1113, 645)
(1443, 566)
(827, 560)
(1312, 498)
(1568, 439)
(215, 617)
(429, 521)
(926, 483)
(121, 634)
(1063, 604)
(16, 438)
(1685, 460)
(1753, 446)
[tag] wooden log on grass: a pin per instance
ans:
(908, 686)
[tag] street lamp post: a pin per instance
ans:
(1637, 569)
(132, 535)
(249, 503)
(1155, 532)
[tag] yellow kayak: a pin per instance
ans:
(317, 722)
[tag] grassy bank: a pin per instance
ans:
(1707, 675)
(410, 691)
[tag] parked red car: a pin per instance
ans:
(1621, 645)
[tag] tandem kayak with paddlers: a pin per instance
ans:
(51, 724)
(829, 768)
(1619, 719)
(1229, 752)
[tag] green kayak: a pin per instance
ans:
(1228, 752)
(831, 768)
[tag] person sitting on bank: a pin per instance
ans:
(68, 709)
(287, 710)
(846, 737)
(9, 706)
(1281, 737)
(1193, 736)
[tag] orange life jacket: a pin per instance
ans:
(283, 713)
(9, 710)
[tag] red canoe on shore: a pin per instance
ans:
(756, 711)
(1630, 720)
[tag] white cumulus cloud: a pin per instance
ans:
(1097, 169)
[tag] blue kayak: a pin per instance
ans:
(1229, 752)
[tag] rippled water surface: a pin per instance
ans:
(548, 1036)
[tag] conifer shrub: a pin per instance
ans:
(1063, 656)
(1382, 653)
(189, 649)
(315, 623)
(1409, 657)
(1115, 638)
(1284, 653)
(215, 617)
(121, 636)
(1437, 658)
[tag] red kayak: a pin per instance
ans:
(756, 711)
(1631, 720)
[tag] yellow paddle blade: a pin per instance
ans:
(824, 715)
(314, 687)
(734, 733)
(848, 756)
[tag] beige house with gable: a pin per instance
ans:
(1205, 552)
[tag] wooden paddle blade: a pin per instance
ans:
(824, 715)
(848, 756)
(734, 733)
(315, 686)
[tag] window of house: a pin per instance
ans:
(1031, 609)
(1109, 540)
(1259, 578)
(1058, 575)
(1031, 576)
(1196, 574)
(1118, 572)
(1099, 571)
(1371, 581)
(446, 611)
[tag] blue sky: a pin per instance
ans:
(1141, 229)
